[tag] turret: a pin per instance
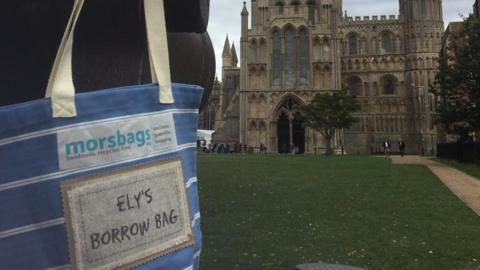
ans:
(423, 25)
(243, 74)
(421, 10)
(244, 15)
(338, 5)
(335, 16)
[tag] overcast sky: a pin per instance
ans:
(225, 17)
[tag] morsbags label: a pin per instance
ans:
(108, 142)
(127, 218)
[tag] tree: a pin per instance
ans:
(468, 71)
(452, 106)
(457, 83)
(329, 112)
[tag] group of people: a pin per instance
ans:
(387, 147)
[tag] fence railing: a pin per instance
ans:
(463, 152)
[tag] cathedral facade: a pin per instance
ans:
(291, 50)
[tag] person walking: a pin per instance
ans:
(401, 147)
(261, 148)
(386, 148)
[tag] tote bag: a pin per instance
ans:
(106, 179)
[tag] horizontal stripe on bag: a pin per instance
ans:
(195, 219)
(32, 227)
(61, 267)
(41, 133)
(191, 181)
(56, 175)
(68, 267)
(60, 221)
(197, 254)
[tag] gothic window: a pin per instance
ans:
(423, 8)
(387, 43)
(261, 51)
(317, 50)
(311, 12)
(253, 52)
(411, 12)
(388, 85)
(355, 86)
(296, 6)
(277, 58)
(352, 44)
(290, 53)
(326, 49)
(279, 6)
(303, 52)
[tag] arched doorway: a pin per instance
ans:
(290, 129)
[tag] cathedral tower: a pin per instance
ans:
(423, 27)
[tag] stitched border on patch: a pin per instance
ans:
(127, 217)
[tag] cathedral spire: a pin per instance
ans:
(234, 55)
(226, 49)
(244, 10)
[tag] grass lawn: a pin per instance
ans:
(274, 212)
(471, 169)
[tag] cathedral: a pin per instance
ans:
(291, 50)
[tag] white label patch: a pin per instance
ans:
(127, 218)
(102, 143)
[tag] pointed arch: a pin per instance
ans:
(288, 103)
(289, 26)
(387, 44)
(289, 125)
(353, 42)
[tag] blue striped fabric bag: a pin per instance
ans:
(106, 179)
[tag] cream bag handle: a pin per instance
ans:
(60, 84)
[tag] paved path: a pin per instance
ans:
(466, 187)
